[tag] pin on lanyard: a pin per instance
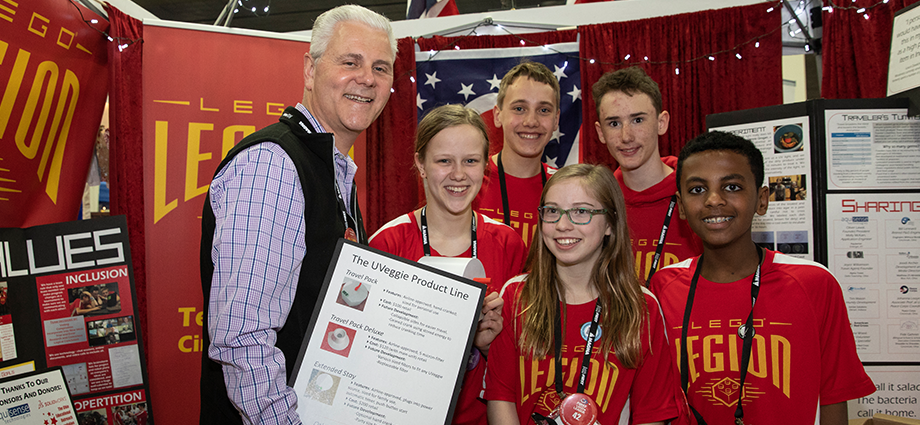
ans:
(745, 332)
(501, 183)
(589, 347)
(664, 233)
(426, 244)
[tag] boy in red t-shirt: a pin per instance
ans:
(528, 114)
(631, 119)
(759, 335)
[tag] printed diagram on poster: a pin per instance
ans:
(37, 398)
(68, 289)
(788, 226)
(872, 149)
(874, 252)
(382, 322)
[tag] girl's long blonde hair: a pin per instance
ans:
(623, 305)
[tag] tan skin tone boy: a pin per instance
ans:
(718, 197)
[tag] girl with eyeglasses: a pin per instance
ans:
(451, 150)
(581, 296)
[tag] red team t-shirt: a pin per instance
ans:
(523, 200)
(803, 350)
(646, 394)
(645, 213)
(502, 254)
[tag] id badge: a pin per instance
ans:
(574, 409)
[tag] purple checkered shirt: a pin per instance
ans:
(259, 245)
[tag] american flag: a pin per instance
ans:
(417, 9)
(471, 77)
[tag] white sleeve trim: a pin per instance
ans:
(402, 219)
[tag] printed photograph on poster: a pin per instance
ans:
(93, 417)
(874, 251)
(111, 331)
(872, 149)
(353, 294)
(414, 324)
(131, 414)
(7, 335)
(787, 188)
(94, 300)
(788, 138)
(787, 226)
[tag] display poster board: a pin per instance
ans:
(37, 398)
(897, 393)
(874, 252)
(67, 300)
(864, 188)
(904, 60)
(873, 209)
(388, 342)
(787, 146)
(872, 148)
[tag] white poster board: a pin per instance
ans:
(874, 251)
(37, 398)
(388, 343)
(876, 149)
(904, 60)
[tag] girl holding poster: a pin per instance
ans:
(451, 153)
(583, 336)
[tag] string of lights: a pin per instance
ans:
(454, 45)
(91, 22)
(252, 9)
(626, 61)
(859, 9)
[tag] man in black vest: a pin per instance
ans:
(275, 209)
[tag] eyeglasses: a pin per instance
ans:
(576, 215)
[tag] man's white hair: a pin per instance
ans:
(324, 26)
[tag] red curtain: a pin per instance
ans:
(678, 48)
(126, 159)
(391, 185)
(855, 51)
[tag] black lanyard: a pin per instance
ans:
(427, 247)
(664, 233)
(745, 331)
(350, 221)
(302, 128)
(501, 182)
(589, 347)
